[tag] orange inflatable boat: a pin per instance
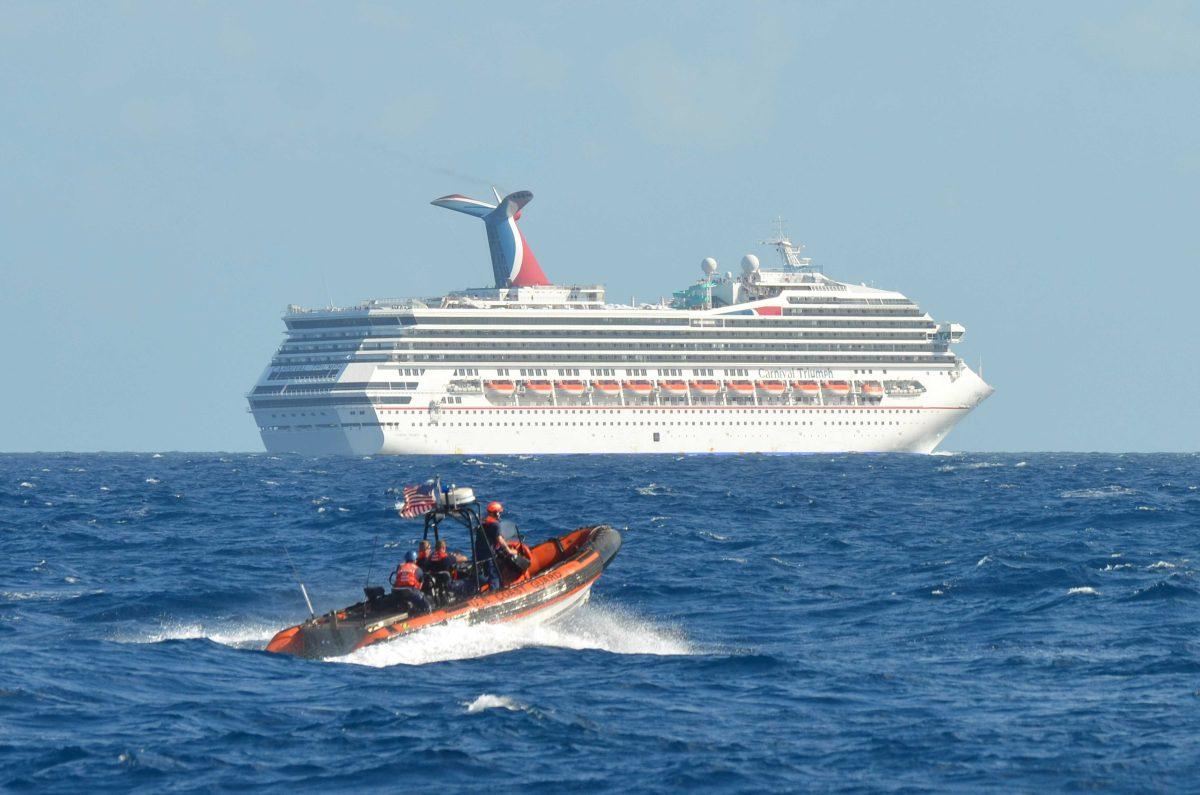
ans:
(542, 582)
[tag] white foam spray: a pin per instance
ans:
(592, 627)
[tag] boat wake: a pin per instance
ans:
(592, 627)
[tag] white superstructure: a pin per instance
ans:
(785, 360)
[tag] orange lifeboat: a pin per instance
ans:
(871, 388)
(607, 387)
(504, 388)
(575, 388)
(836, 387)
(639, 387)
(674, 388)
(706, 387)
(740, 387)
(539, 387)
(806, 387)
(773, 387)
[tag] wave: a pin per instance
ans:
(1083, 590)
(490, 701)
(591, 628)
(1096, 494)
(237, 635)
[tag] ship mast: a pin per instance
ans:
(789, 252)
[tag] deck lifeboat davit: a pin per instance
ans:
(742, 388)
(573, 388)
(810, 388)
(639, 387)
(774, 388)
(503, 388)
(609, 388)
(871, 388)
(836, 387)
(557, 577)
(706, 387)
(673, 388)
(541, 388)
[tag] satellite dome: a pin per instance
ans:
(749, 264)
(709, 266)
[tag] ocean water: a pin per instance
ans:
(853, 623)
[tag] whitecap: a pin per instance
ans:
(1096, 494)
(270, 483)
(653, 490)
(152, 481)
(983, 560)
(240, 635)
(1083, 590)
(1162, 564)
(104, 488)
(489, 701)
(713, 536)
(1118, 567)
(1021, 464)
(157, 455)
(25, 484)
(938, 592)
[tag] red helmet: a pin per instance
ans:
(495, 507)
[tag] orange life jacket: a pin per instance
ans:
(407, 576)
(438, 557)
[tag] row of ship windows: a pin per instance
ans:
(777, 360)
(641, 412)
(695, 341)
(727, 423)
(273, 389)
(593, 320)
(826, 299)
(916, 347)
(766, 328)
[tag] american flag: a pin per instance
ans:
(418, 500)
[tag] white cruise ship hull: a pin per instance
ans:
(906, 425)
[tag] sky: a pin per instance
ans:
(172, 175)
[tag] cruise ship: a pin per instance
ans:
(779, 359)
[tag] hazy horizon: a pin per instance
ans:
(176, 175)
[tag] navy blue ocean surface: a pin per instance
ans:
(811, 622)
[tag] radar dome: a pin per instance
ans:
(749, 264)
(709, 266)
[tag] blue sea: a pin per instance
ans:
(834, 623)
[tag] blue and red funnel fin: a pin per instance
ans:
(513, 262)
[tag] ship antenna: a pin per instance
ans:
(371, 565)
(311, 613)
(789, 252)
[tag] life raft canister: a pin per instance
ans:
(406, 576)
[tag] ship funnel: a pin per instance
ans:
(513, 262)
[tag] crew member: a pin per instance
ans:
(406, 583)
(443, 566)
(440, 559)
(487, 543)
(423, 555)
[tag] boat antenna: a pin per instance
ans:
(371, 565)
(311, 613)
